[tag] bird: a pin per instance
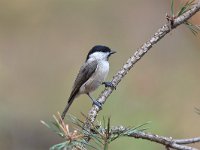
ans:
(91, 75)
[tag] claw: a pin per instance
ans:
(97, 103)
(109, 84)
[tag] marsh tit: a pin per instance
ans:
(91, 75)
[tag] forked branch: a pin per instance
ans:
(168, 142)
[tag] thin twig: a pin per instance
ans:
(168, 142)
(187, 141)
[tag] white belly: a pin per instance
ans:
(97, 78)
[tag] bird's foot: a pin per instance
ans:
(97, 103)
(109, 84)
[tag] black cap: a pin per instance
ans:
(98, 48)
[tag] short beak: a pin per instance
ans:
(112, 52)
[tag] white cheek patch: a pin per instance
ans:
(99, 55)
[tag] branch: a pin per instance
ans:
(166, 141)
(92, 114)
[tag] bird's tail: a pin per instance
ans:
(71, 99)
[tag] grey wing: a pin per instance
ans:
(84, 74)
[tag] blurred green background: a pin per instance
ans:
(43, 43)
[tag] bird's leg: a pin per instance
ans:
(109, 84)
(95, 102)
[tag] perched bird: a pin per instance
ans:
(91, 75)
